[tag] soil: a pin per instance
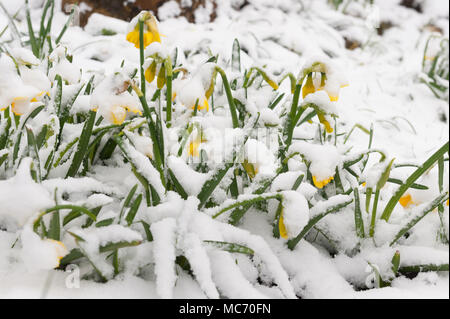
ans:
(126, 10)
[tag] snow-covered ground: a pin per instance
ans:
(384, 91)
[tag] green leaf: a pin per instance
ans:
(82, 145)
(178, 187)
(413, 185)
(121, 244)
(32, 146)
(73, 255)
(412, 222)
(210, 185)
(359, 223)
(66, 25)
(411, 179)
(236, 56)
(54, 230)
(19, 134)
(313, 221)
(33, 42)
(276, 101)
(148, 233)
(247, 202)
(80, 209)
(385, 175)
(127, 200)
(404, 270)
(3, 158)
(395, 262)
(230, 247)
(229, 95)
(104, 222)
(71, 216)
(133, 210)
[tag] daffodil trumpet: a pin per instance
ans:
(282, 227)
(194, 145)
(331, 80)
(150, 30)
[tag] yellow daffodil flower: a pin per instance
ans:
(251, 169)
(322, 183)
(202, 106)
(406, 200)
(282, 227)
(324, 121)
(20, 104)
(150, 73)
(333, 96)
(309, 87)
(195, 144)
(151, 33)
(118, 113)
(60, 248)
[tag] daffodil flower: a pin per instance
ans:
(112, 100)
(20, 91)
(40, 253)
(406, 200)
(282, 227)
(323, 182)
(201, 105)
(191, 93)
(331, 80)
(334, 97)
(251, 169)
(325, 122)
(20, 104)
(194, 145)
(308, 87)
(60, 249)
(150, 73)
(151, 33)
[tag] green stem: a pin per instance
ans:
(168, 64)
(141, 55)
(157, 150)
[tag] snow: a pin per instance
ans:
(13, 209)
(164, 255)
(379, 84)
(39, 254)
(324, 158)
(295, 212)
(169, 9)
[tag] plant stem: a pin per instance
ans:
(141, 55)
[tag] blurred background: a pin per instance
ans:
(126, 9)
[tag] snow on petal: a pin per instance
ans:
(295, 212)
(13, 207)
